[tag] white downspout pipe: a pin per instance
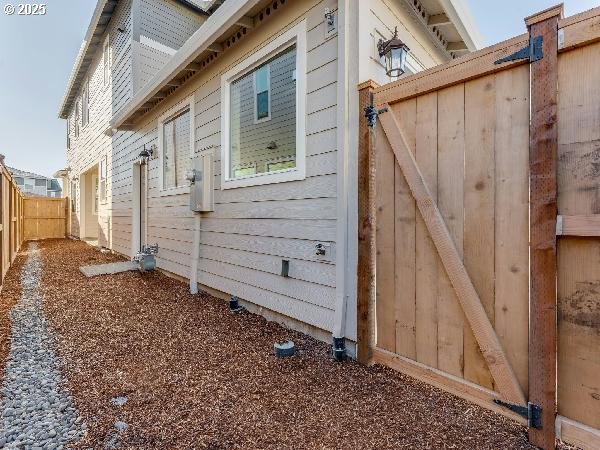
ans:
(339, 320)
(195, 256)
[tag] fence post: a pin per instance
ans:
(543, 209)
(366, 229)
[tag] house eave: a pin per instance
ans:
(100, 20)
(462, 19)
(230, 14)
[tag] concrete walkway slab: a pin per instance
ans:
(108, 269)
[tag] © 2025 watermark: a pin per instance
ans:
(25, 9)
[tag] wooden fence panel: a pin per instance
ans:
(579, 257)
(11, 223)
(457, 138)
(44, 218)
(466, 140)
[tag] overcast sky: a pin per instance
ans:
(37, 54)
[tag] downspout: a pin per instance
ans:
(195, 256)
(339, 323)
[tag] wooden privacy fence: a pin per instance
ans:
(45, 218)
(467, 177)
(11, 220)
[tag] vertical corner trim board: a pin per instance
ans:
(503, 374)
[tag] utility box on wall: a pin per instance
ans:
(201, 179)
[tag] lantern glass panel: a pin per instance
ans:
(395, 61)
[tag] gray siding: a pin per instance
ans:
(252, 228)
(165, 22)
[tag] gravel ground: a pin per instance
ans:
(151, 366)
(36, 411)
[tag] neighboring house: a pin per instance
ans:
(34, 184)
(261, 96)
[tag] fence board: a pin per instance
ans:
(385, 237)
(511, 266)
(451, 154)
(479, 196)
(427, 260)
(404, 205)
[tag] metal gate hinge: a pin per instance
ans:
(532, 412)
(532, 51)
(371, 114)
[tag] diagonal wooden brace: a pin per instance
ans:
(504, 377)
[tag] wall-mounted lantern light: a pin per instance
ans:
(395, 52)
(145, 155)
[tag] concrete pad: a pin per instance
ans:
(108, 269)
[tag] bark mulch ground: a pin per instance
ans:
(9, 296)
(197, 376)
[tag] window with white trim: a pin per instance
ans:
(176, 139)
(77, 118)
(85, 104)
(102, 171)
(73, 196)
(106, 63)
(263, 111)
(96, 199)
(68, 133)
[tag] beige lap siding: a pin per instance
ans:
(252, 228)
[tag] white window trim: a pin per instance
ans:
(296, 35)
(188, 103)
(85, 104)
(77, 114)
(95, 195)
(106, 57)
(264, 119)
(103, 200)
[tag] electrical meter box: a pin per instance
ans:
(201, 182)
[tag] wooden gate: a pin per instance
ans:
(45, 218)
(459, 184)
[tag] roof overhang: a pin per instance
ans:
(93, 39)
(453, 18)
(100, 19)
(62, 173)
(231, 14)
(463, 21)
(450, 23)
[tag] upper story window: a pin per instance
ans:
(77, 119)
(68, 133)
(20, 181)
(176, 146)
(263, 114)
(106, 63)
(85, 103)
